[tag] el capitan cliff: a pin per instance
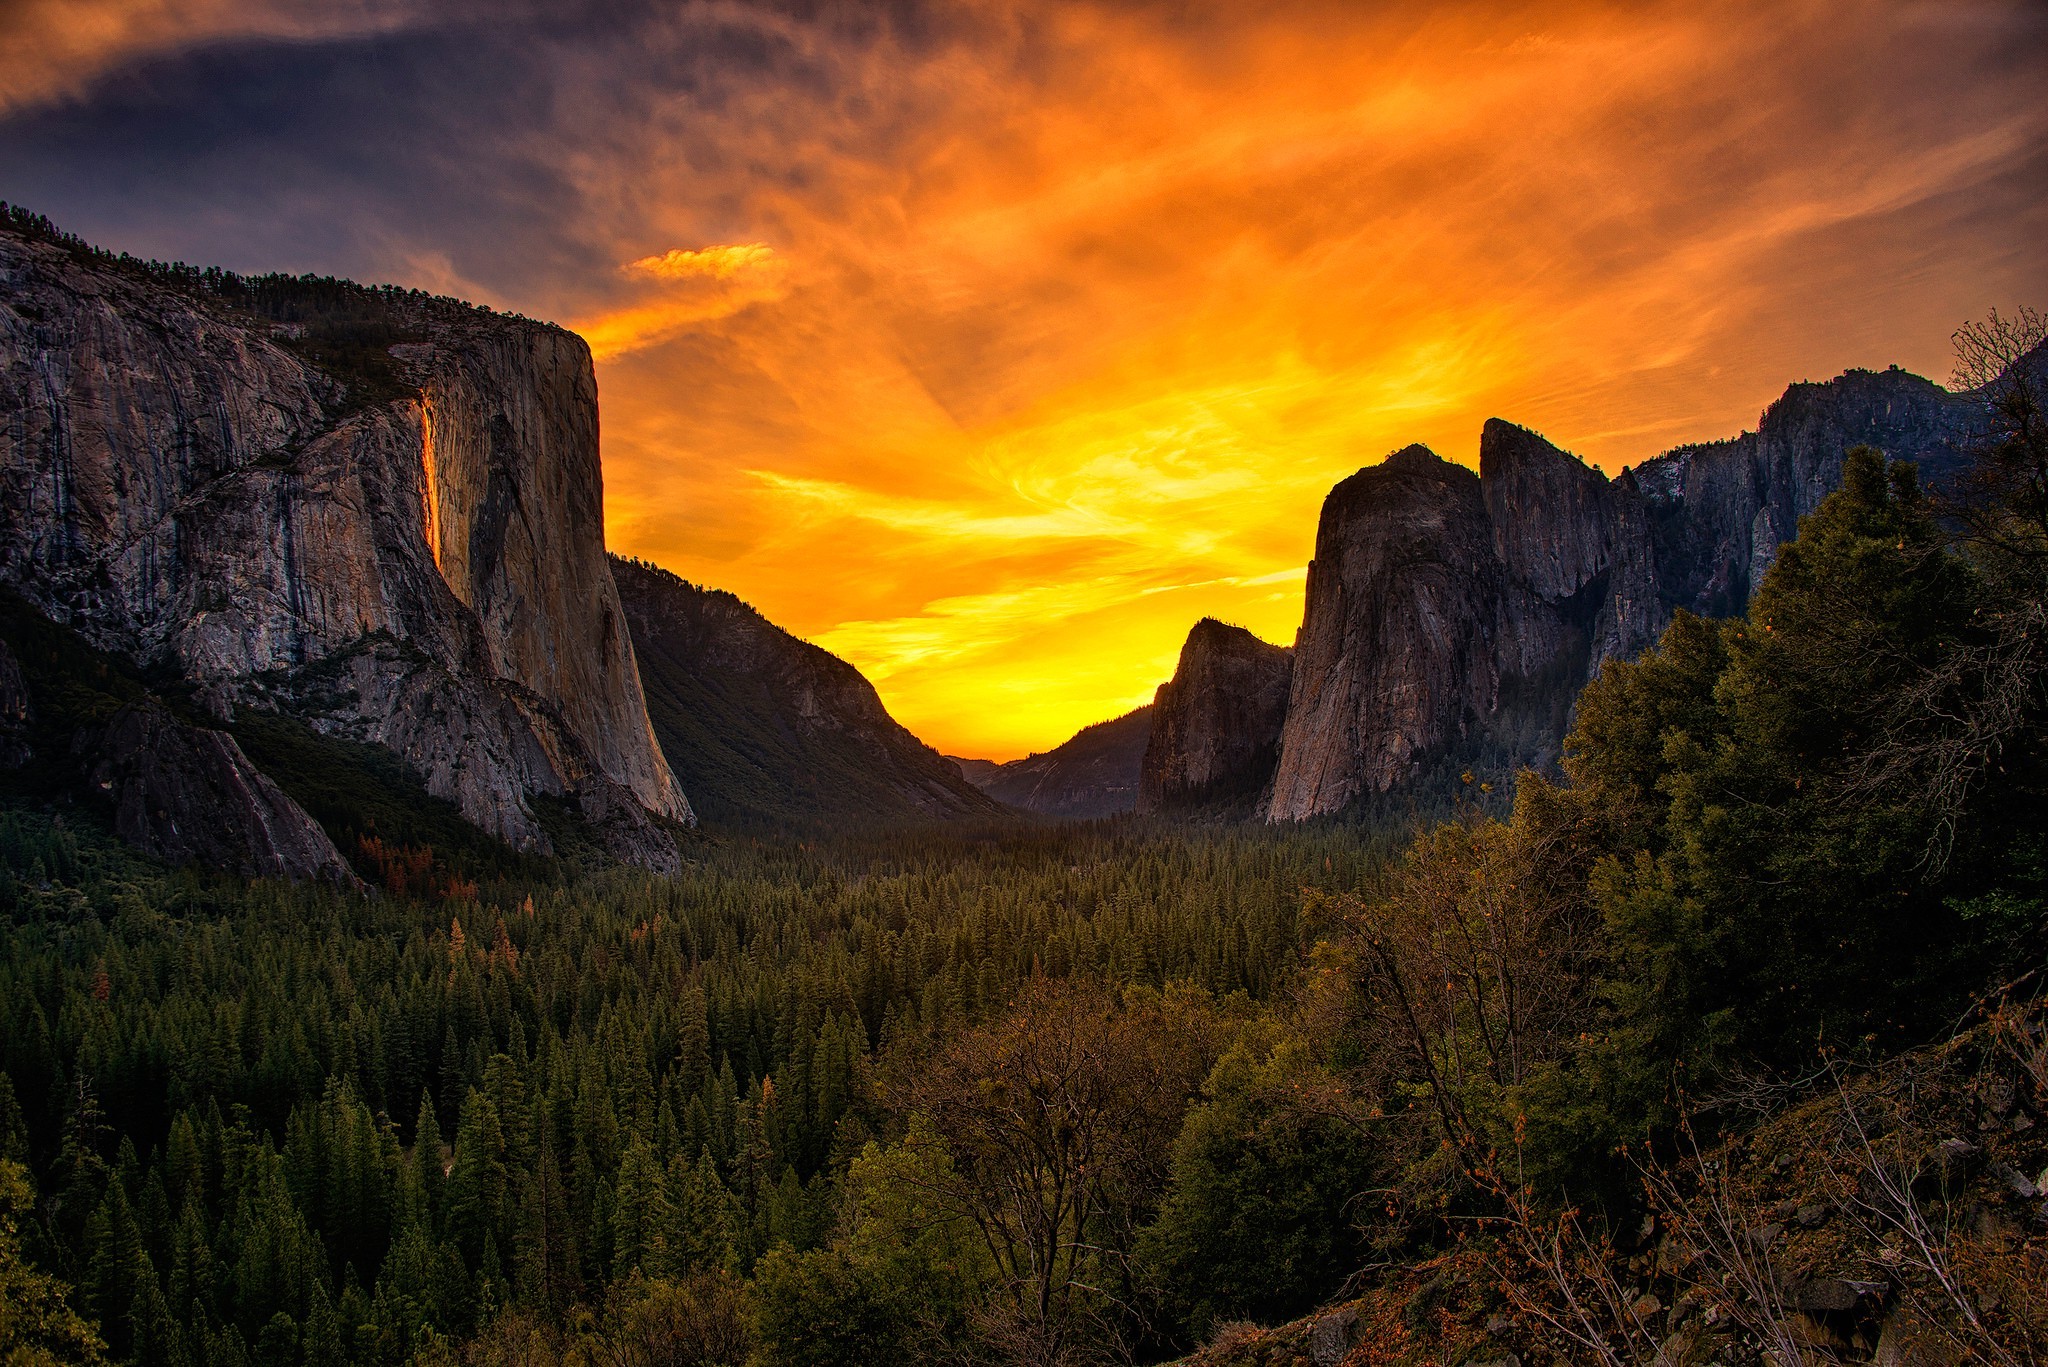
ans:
(373, 510)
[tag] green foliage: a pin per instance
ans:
(896, 1284)
(1261, 1217)
(284, 1121)
(1773, 890)
(1808, 832)
(38, 1327)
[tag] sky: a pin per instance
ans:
(990, 344)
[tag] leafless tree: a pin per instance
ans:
(1951, 721)
(2004, 494)
(1060, 1119)
(1476, 962)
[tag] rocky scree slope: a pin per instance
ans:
(764, 728)
(372, 510)
(1093, 774)
(1215, 732)
(1451, 618)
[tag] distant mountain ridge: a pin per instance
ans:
(764, 728)
(1095, 773)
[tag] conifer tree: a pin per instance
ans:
(478, 1181)
(428, 1176)
(37, 1323)
(642, 1215)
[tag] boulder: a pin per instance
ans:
(1331, 1336)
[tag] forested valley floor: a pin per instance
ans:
(1723, 1045)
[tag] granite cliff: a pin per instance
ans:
(373, 510)
(1094, 773)
(763, 727)
(1215, 732)
(1453, 617)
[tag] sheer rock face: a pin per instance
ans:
(763, 726)
(1575, 552)
(1718, 511)
(1216, 724)
(188, 795)
(1396, 656)
(424, 570)
(1448, 612)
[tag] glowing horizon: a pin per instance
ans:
(992, 346)
(1201, 300)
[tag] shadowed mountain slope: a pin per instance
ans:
(766, 729)
(1216, 723)
(1094, 774)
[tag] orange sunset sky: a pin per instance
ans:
(991, 345)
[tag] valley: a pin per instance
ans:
(1609, 931)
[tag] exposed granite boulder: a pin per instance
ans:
(408, 552)
(623, 828)
(761, 726)
(188, 795)
(1216, 724)
(1095, 773)
(1449, 615)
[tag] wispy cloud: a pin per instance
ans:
(992, 343)
(56, 48)
(700, 285)
(713, 263)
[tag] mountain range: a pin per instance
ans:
(272, 546)
(1451, 617)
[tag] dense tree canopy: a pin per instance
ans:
(1025, 1094)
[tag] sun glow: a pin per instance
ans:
(1039, 344)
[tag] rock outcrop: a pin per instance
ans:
(1216, 724)
(1720, 510)
(1396, 657)
(763, 727)
(1453, 617)
(379, 511)
(1093, 774)
(188, 795)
